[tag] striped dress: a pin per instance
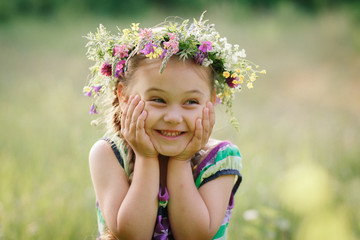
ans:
(223, 159)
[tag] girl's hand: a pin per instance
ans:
(203, 129)
(133, 128)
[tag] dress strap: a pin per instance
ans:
(115, 150)
(163, 197)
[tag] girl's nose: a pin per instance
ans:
(173, 115)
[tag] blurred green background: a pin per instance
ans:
(300, 125)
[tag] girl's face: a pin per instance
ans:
(173, 99)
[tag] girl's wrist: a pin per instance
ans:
(142, 158)
(175, 163)
(143, 155)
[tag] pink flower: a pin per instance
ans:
(172, 36)
(120, 51)
(119, 69)
(145, 33)
(106, 69)
(173, 43)
(205, 46)
(93, 110)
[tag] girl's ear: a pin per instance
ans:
(122, 97)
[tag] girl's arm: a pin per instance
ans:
(193, 213)
(196, 214)
(129, 210)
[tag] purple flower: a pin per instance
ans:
(93, 110)
(217, 101)
(205, 46)
(230, 82)
(119, 69)
(106, 69)
(163, 54)
(88, 94)
(200, 56)
(97, 88)
(149, 48)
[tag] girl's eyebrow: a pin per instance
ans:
(187, 92)
(154, 89)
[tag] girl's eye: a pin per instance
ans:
(192, 101)
(157, 100)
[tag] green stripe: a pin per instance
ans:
(221, 232)
(100, 216)
(229, 152)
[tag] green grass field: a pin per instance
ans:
(299, 133)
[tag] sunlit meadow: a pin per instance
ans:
(299, 133)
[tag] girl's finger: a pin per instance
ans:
(137, 111)
(205, 126)
(124, 114)
(140, 125)
(130, 110)
(198, 134)
(211, 114)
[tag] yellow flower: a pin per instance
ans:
(248, 68)
(135, 26)
(250, 85)
(228, 92)
(238, 70)
(241, 79)
(234, 75)
(156, 54)
(150, 55)
(126, 31)
(86, 89)
(252, 79)
(158, 51)
(226, 74)
(220, 95)
(263, 72)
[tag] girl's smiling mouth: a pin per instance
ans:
(170, 133)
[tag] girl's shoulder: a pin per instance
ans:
(111, 146)
(215, 145)
(216, 159)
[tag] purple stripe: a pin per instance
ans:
(213, 152)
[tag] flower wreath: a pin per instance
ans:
(198, 41)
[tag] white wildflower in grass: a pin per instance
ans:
(251, 215)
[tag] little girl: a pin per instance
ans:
(157, 173)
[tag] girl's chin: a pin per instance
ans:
(169, 152)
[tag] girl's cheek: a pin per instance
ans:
(198, 113)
